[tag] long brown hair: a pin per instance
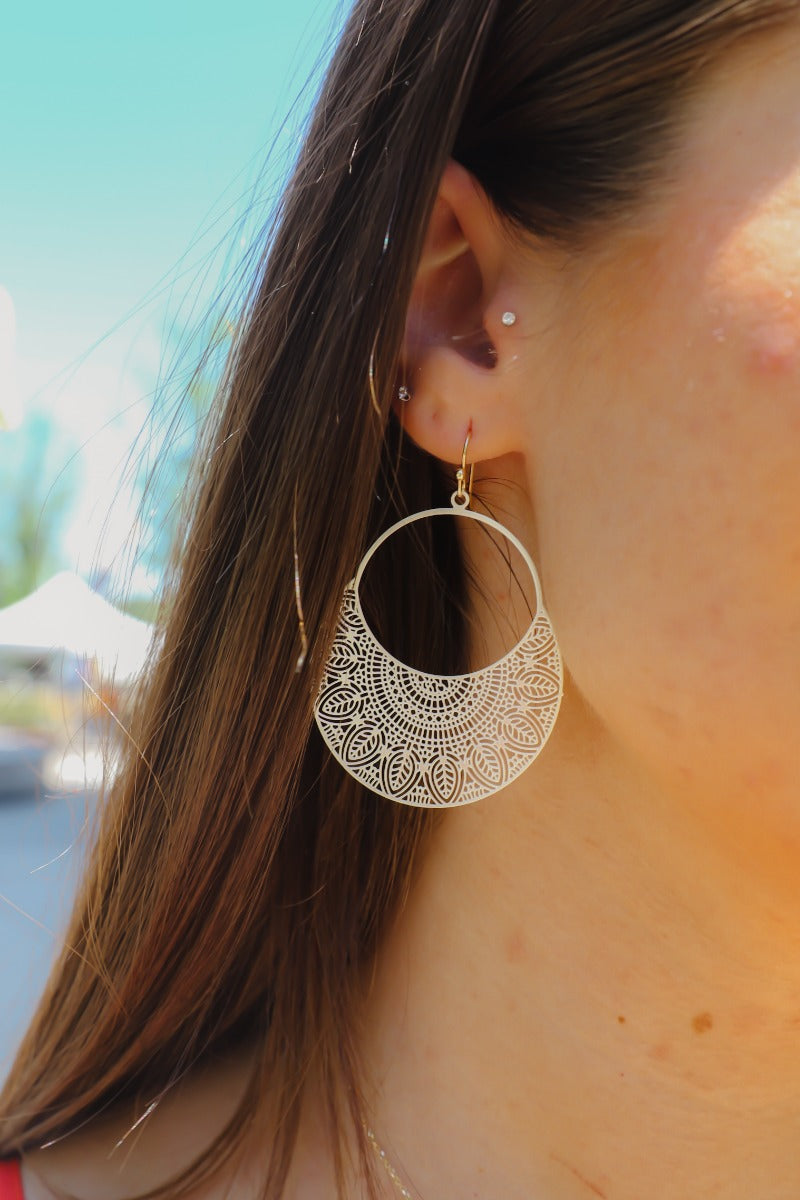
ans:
(240, 882)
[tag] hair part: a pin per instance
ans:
(241, 883)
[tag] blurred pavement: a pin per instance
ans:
(40, 850)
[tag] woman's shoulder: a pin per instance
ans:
(119, 1155)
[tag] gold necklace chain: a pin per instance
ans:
(390, 1170)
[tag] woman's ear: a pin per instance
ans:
(460, 335)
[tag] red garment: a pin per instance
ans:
(10, 1181)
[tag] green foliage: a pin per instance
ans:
(176, 422)
(38, 485)
(144, 608)
(33, 707)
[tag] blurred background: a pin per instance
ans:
(142, 149)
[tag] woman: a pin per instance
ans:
(562, 240)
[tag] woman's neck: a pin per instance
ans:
(593, 990)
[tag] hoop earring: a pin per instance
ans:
(437, 741)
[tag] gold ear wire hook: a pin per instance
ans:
(461, 473)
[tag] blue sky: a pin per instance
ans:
(130, 137)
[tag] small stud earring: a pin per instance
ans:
(509, 318)
(404, 394)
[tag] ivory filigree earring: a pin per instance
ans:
(438, 740)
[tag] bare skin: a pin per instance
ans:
(594, 990)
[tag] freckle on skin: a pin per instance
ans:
(702, 1022)
(516, 949)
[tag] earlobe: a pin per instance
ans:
(458, 341)
(449, 396)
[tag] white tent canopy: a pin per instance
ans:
(64, 615)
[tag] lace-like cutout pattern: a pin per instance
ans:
(434, 740)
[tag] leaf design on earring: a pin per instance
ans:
(338, 702)
(445, 778)
(486, 761)
(520, 730)
(363, 743)
(399, 772)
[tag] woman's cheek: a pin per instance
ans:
(774, 350)
(753, 283)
